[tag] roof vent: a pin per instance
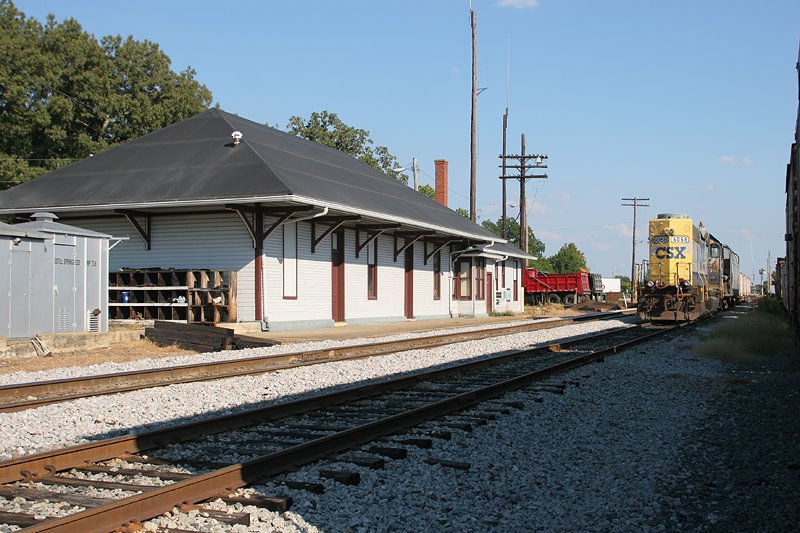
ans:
(42, 216)
(237, 137)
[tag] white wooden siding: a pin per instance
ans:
(184, 242)
(389, 304)
(313, 303)
(221, 241)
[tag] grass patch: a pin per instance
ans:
(748, 337)
(501, 313)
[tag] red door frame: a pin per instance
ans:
(489, 292)
(337, 276)
(409, 282)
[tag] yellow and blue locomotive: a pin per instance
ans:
(675, 285)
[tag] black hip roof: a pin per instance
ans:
(196, 162)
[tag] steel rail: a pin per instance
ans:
(31, 467)
(18, 397)
(213, 484)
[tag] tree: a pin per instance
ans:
(535, 246)
(65, 96)
(463, 212)
(625, 283)
(568, 259)
(428, 191)
(328, 129)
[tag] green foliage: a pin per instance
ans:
(428, 191)
(568, 259)
(535, 246)
(328, 129)
(65, 96)
(543, 264)
(624, 283)
(463, 212)
(501, 313)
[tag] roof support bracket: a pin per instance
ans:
(335, 223)
(410, 238)
(438, 245)
(146, 232)
(373, 231)
(258, 234)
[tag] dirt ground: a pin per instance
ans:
(117, 352)
(141, 349)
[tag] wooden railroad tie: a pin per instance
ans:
(200, 337)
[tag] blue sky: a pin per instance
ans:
(690, 103)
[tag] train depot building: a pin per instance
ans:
(222, 219)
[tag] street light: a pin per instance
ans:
(414, 170)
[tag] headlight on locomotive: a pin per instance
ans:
(650, 284)
(685, 283)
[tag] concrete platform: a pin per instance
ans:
(12, 348)
(373, 330)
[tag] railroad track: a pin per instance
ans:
(18, 397)
(220, 455)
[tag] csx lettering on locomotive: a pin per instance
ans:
(670, 252)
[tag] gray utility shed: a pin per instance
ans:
(56, 278)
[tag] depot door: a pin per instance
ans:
(409, 282)
(489, 293)
(337, 276)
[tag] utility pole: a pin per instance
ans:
(524, 162)
(503, 177)
(473, 149)
(769, 271)
(415, 171)
(635, 204)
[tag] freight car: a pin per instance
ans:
(690, 273)
(724, 280)
(569, 289)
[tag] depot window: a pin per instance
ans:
(462, 286)
(290, 261)
(480, 278)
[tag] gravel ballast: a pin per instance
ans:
(653, 439)
(75, 422)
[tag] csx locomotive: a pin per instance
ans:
(690, 273)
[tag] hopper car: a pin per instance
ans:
(569, 289)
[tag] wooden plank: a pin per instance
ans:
(248, 341)
(276, 504)
(18, 519)
(179, 326)
(184, 336)
(81, 500)
(232, 518)
(114, 471)
(74, 482)
(447, 463)
(233, 289)
(345, 478)
(316, 488)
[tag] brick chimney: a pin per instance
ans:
(441, 181)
